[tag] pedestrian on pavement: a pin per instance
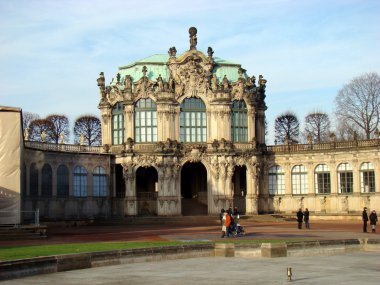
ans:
(306, 218)
(221, 215)
(300, 218)
(236, 214)
(223, 221)
(228, 224)
(373, 220)
(365, 219)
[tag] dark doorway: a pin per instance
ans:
(146, 191)
(194, 189)
(119, 181)
(239, 182)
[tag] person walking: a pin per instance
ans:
(223, 222)
(300, 218)
(373, 220)
(228, 224)
(306, 218)
(365, 219)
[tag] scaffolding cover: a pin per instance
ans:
(11, 144)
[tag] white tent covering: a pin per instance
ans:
(11, 145)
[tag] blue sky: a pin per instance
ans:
(51, 52)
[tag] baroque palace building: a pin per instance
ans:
(185, 135)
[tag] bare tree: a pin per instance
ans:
(317, 125)
(358, 103)
(27, 118)
(286, 126)
(60, 124)
(38, 127)
(90, 127)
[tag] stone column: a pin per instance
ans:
(130, 207)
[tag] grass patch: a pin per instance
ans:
(22, 252)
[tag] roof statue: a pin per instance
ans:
(193, 38)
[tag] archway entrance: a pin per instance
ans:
(239, 182)
(194, 189)
(146, 191)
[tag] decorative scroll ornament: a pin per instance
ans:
(146, 161)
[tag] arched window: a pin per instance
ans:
(322, 179)
(99, 182)
(33, 180)
(239, 123)
(367, 178)
(62, 181)
(47, 181)
(299, 179)
(118, 124)
(276, 180)
(80, 181)
(145, 121)
(345, 178)
(193, 120)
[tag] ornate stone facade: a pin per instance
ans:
(169, 172)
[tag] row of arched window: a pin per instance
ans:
(193, 126)
(80, 181)
(322, 181)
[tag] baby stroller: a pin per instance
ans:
(237, 230)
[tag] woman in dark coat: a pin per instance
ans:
(373, 220)
(306, 218)
(299, 218)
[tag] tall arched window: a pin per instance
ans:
(118, 124)
(367, 178)
(322, 179)
(345, 178)
(193, 120)
(47, 181)
(62, 181)
(80, 181)
(145, 121)
(33, 180)
(299, 179)
(239, 122)
(99, 182)
(276, 180)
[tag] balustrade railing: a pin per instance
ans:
(63, 147)
(150, 148)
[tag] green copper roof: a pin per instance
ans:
(156, 65)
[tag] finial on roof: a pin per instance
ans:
(144, 70)
(193, 38)
(210, 52)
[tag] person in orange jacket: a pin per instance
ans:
(228, 224)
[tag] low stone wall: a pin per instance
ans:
(41, 265)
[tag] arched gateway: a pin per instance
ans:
(193, 189)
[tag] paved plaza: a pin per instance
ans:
(353, 268)
(350, 268)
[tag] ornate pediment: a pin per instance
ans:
(114, 94)
(144, 86)
(191, 72)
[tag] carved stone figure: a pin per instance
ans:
(43, 136)
(171, 84)
(81, 140)
(118, 76)
(225, 83)
(62, 138)
(128, 82)
(160, 83)
(26, 134)
(101, 80)
(172, 52)
(214, 83)
(210, 52)
(193, 38)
